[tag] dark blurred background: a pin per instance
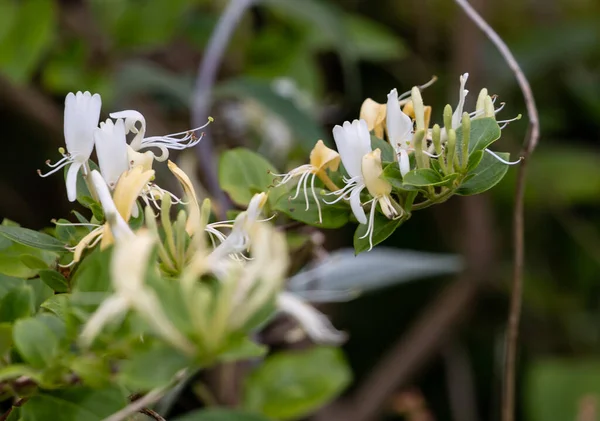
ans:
(442, 339)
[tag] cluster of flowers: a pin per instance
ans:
(250, 262)
(405, 119)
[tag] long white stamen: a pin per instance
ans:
(312, 188)
(305, 192)
(299, 185)
(371, 223)
(431, 155)
(503, 160)
(56, 168)
(59, 162)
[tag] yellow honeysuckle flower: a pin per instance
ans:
(322, 158)
(379, 189)
(374, 114)
(193, 220)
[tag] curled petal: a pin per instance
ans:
(71, 180)
(356, 206)
(193, 220)
(322, 157)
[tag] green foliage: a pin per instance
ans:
(333, 216)
(243, 173)
(221, 414)
(36, 341)
(486, 175)
(32, 238)
(291, 385)
(152, 367)
(384, 227)
(74, 404)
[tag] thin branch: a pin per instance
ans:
(202, 97)
(531, 141)
(147, 400)
(152, 414)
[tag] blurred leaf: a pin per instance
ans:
(343, 275)
(291, 385)
(152, 368)
(334, 216)
(6, 341)
(220, 414)
(488, 173)
(54, 280)
(7, 283)
(557, 389)
(94, 371)
(242, 348)
(306, 130)
(145, 77)
(11, 263)
(57, 304)
(33, 262)
(383, 228)
(327, 30)
(32, 238)
(27, 38)
(17, 303)
(75, 404)
(372, 41)
(242, 173)
(37, 343)
(93, 274)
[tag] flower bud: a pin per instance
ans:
(466, 136)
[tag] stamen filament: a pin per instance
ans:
(503, 160)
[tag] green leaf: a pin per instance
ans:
(54, 280)
(36, 341)
(384, 227)
(32, 238)
(94, 371)
(57, 304)
(387, 151)
(242, 173)
(334, 216)
(75, 404)
(7, 283)
(16, 370)
(18, 303)
(423, 177)
(220, 414)
(152, 368)
(291, 385)
(11, 263)
(391, 173)
(66, 233)
(484, 132)
(488, 173)
(304, 127)
(474, 160)
(41, 291)
(33, 262)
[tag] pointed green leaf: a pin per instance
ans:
(484, 132)
(423, 177)
(36, 341)
(32, 238)
(488, 173)
(387, 151)
(33, 262)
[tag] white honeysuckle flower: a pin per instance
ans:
(400, 131)
(177, 141)
(353, 141)
(111, 148)
(484, 108)
(322, 158)
(316, 325)
(380, 190)
(129, 265)
(82, 113)
(238, 241)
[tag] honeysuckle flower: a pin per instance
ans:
(400, 131)
(379, 189)
(484, 108)
(238, 240)
(117, 208)
(374, 114)
(177, 141)
(353, 142)
(314, 323)
(111, 148)
(129, 265)
(193, 207)
(82, 113)
(322, 158)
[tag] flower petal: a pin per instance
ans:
(82, 113)
(131, 118)
(355, 204)
(71, 180)
(399, 125)
(193, 220)
(322, 157)
(111, 148)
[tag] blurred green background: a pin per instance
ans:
(293, 69)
